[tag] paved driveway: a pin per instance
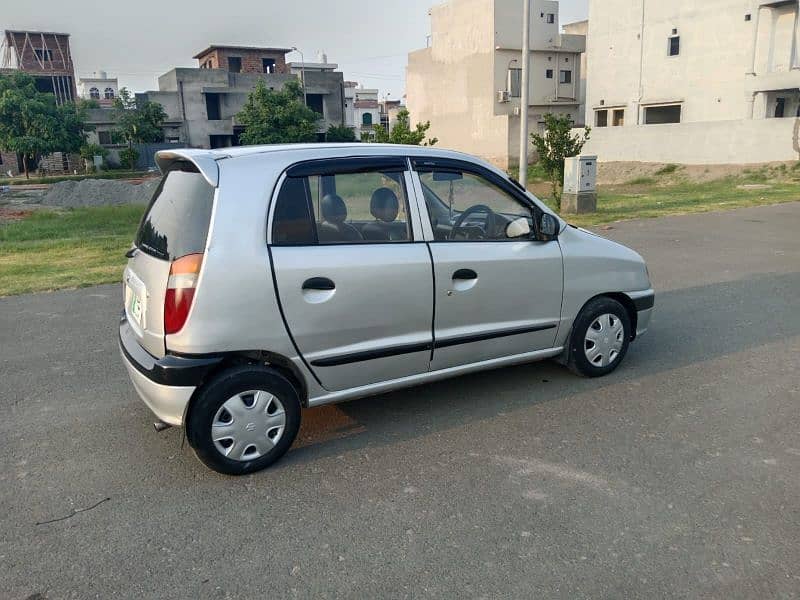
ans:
(678, 476)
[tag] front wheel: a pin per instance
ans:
(600, 338)
(243, 420)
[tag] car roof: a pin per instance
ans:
(206, 160)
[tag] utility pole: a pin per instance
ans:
(524, 92)
(302, 73)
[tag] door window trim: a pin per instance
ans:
(348, 165)
(422, 164)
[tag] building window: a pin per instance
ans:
(366, 119)
(314, 102)
(565, 77)
(108, 93)
(748, 17)
(515, 83)
(549, 73)
(657, 115)
(104, 137)
(94, 93)
(43, 54)
(601, 118)
(674, 45)
(268, 64)
(780, 107)
(213, 107)
(551, 18)
(618, 119)
(235, 64)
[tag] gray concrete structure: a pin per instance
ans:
(202, 103)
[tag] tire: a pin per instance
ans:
(243, 420)
(611, 325)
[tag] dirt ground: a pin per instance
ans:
(616, 173)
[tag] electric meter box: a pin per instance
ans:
(580, 175)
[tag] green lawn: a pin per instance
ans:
(49, 250)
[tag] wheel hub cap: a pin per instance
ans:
(248, 425)
(604, 340)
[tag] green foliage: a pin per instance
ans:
(138, 121)
(88, 103)
(340, 133)
(556, 144)
(402, 133)
(128, 157)
(668, 169)
(31, 124)
(277, 116)
(89, 151)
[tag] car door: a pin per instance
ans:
(352, 271)
(497, 288)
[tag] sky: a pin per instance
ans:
(140, 40)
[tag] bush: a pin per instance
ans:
(668, 169)
(128, 158)
(340, 133)
(89, 151)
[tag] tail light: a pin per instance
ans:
(182, 282)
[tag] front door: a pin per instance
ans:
(355, 286)
(498, 291)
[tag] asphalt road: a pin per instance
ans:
(677, 476)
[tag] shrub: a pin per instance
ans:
(128, 158)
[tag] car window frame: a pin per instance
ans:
(347, 165)
(430, 164)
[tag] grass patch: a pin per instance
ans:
(51, 250)
(668, 169)
(56, 178)
(642, 181)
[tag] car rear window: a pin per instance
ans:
(176, 221)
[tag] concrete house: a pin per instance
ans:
(367, 111)
(202, 103)
(467, 81)
(716, 81)
(99, 87)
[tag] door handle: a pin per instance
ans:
(464, 274)
(319, 283)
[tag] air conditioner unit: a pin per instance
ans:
(502, 95)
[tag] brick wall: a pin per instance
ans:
(217, 58)
(53, 49)
(8, 162)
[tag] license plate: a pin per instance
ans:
(136, 308)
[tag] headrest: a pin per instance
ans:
(334, 209)
(384, 205)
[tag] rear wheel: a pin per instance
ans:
(600, 338)
(244, 420)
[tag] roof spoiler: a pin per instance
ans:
(205, 162)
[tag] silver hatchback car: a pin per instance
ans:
(267, 279)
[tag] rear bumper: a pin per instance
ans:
(165, 384)
(644, 303)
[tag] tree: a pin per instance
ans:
(340, 133)
(277, 116)
(556, 144)
(31, 124)
(138, 121)
(402, 133)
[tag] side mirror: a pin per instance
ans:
(548, 225)
(518, 228)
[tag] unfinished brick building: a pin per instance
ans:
(244, 59)
(44, 55)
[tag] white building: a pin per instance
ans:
(467, 82)
(99, 87)
(350, 105)
(683, 81)
(367, 111)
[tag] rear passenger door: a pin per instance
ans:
(353, 275)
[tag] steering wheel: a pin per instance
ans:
(488, 222)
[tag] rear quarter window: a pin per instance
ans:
(177, 219)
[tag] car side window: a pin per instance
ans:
(465, 206)
(342, 208)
